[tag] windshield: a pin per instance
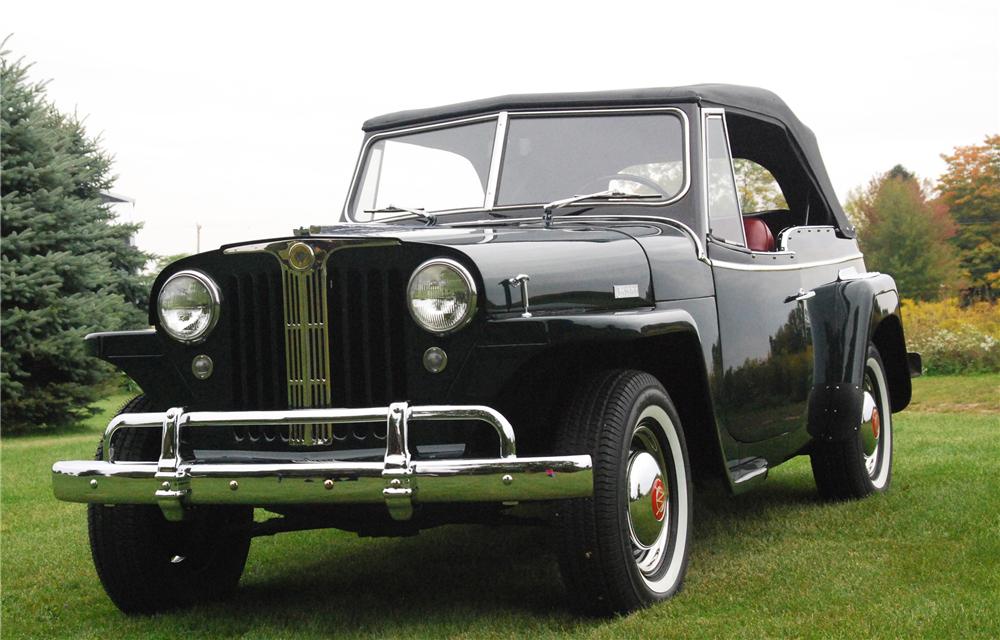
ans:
(545, 158)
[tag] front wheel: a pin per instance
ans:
(627, 547)
(862, 464)
(148, 564)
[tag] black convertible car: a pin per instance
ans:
(553, 298)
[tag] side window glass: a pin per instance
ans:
(758, 190)
(724, 216)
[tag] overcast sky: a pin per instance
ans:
(246, 118)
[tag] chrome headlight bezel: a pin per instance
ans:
(470, 285)
(215, 306)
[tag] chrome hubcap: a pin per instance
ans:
(648, 509)
(870, 425)
(647, 499)
(876, 426)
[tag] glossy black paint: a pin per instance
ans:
(756, 373)
(846, 316)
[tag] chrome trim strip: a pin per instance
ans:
(736, 266)
(496, 163)
(706, 115)
(499, 144)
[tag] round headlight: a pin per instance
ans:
(188, 306)
(441, 296)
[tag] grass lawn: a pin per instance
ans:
(920, 561)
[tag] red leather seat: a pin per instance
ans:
(759, 236)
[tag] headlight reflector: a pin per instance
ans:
(441, 296)
(188, 306)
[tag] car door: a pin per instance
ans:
(766, 356)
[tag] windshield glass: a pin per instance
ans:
(548, 158)
(545, 158)
(434, 170)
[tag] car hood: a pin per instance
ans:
(582, 267)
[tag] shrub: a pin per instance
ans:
(951, 338)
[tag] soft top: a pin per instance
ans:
(749, 99)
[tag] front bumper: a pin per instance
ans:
(398, 481)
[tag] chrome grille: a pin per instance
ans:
(307, 351)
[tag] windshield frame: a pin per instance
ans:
(499, 148)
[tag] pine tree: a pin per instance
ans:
(903, 233)
(66, 268)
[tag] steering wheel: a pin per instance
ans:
(629, 177)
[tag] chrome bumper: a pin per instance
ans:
(397, 481)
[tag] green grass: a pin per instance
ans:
(920, 561)
(978, 392)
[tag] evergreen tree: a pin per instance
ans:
(66, 268)
(905, 234)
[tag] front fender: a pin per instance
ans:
(140, 355)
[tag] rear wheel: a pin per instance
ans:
(147, 563)
(627, 547)
(862, 464)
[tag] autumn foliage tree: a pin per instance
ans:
(904, 232)
(970, 189)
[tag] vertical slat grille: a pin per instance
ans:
(307, 350)
(253, 303)
(366, 307)
(329, 336)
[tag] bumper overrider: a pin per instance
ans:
(397, 481)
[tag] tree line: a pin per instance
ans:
(936, 239)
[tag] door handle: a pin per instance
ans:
(800, 296)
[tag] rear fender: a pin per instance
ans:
(845, 317)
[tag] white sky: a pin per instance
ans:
(247, 117)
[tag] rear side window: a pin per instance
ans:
(757, 188)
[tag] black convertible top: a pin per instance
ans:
(748, 99)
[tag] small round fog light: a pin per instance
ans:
(202, 367)
(435, 360)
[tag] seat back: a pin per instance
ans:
(759, 236)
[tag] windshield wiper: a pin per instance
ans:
(608, 194)
(419, 213)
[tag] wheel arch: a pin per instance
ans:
(887, 337)
(539, 389)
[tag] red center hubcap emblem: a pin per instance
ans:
(876, 427)
(659, 495)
